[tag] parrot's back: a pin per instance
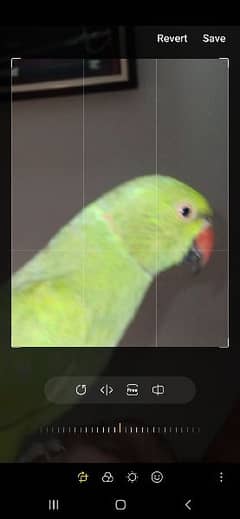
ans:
(81, 290)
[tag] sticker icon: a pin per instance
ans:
(157, 476)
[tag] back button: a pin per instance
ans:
(188, 505)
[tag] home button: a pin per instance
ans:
(120, 504)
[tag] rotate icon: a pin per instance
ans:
(83, 477)
(81, 389)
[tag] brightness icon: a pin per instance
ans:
(132, 477)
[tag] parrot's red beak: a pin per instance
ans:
(204, 243)
(202, 248)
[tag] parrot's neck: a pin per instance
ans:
(132, 215)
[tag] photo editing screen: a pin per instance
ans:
(119, 346)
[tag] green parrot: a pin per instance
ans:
(84, 288)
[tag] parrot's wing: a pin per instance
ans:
(48, 312)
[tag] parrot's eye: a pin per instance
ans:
(186, 211)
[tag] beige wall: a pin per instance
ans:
(120, 144)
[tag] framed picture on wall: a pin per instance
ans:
(91, 67)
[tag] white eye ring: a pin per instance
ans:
(186, 211)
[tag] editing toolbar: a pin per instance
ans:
(120, 390)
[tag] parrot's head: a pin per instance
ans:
(162, 221)
(184, 223)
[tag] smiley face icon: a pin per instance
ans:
(157, 476)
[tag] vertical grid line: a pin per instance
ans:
(11, 190)
(156, 172)
(228, 214)
(83, 184)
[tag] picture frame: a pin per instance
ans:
(96, 71)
